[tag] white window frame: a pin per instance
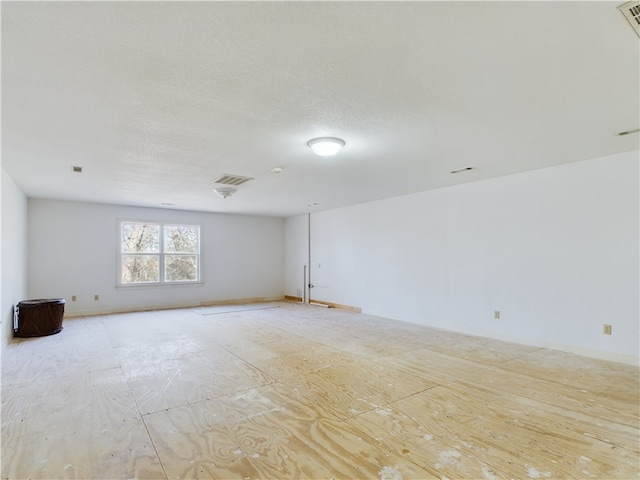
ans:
(161, 254)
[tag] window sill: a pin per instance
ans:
(159, 285)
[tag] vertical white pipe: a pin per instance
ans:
(304, 284)
(308, 257)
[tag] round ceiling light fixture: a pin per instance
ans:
(326, 146)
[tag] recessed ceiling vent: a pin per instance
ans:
(631, 11)
(234, 180)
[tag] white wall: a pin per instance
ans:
(556, 251)
(73, 251)
(14, 254)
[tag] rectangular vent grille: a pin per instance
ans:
(235, 180)
(631, 11)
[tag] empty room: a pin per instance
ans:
(320, 240)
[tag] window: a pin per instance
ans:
(152, 253)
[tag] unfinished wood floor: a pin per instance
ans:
(292, 391)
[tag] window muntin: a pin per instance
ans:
(153, 253)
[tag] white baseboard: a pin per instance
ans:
(148, 308)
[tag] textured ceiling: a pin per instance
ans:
(155, 100)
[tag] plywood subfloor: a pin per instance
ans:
(292, 391)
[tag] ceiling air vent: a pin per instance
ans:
(631, 11)
(228, 179)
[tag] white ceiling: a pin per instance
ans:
(156, 100)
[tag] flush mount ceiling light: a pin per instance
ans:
(326, 146)
(225, 192)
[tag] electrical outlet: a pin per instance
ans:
(73, 298)
(496, 314)
(96, 297)
(607, 329)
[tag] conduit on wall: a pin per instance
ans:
(308, 285)
(304, 284)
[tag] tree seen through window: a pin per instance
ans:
(155, 253)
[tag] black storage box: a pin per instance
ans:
(36, 318)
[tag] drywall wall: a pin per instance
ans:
(14, 253)
(73, 250)
(556, 251)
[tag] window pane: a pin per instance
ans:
(180, 268)
(140, 238)
(181, 238)
(140, 268)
